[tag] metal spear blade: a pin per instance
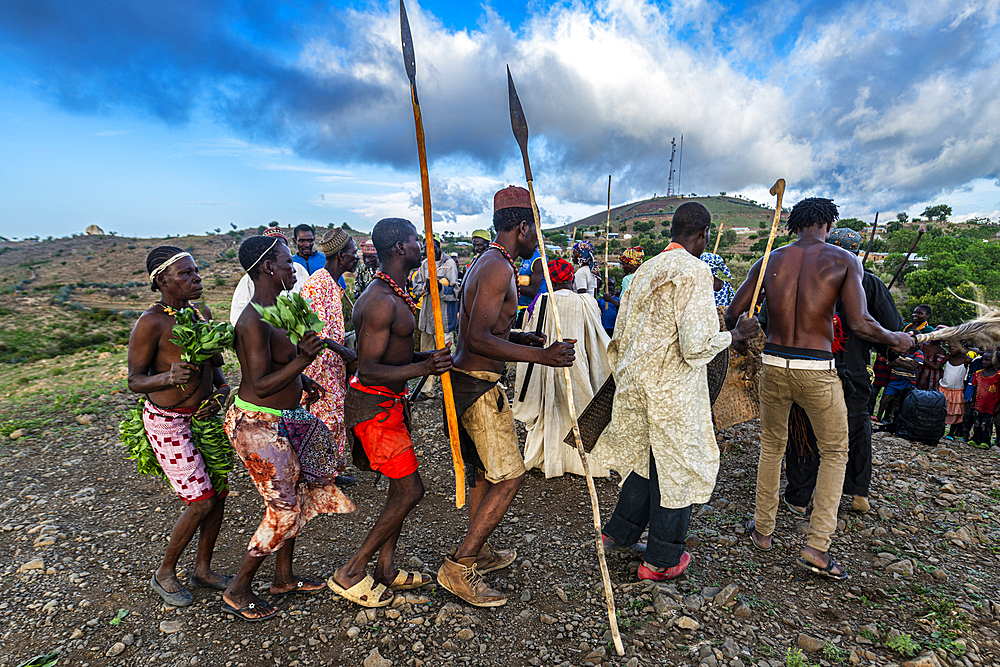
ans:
(409, 60)
(518, 124)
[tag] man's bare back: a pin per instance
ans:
(802, 284)
(489, 294)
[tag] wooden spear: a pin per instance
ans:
(449, 397)
(520, 127)
(920, 232)
(871, 240)
(607, 230)
(718, 236)
(777, 189)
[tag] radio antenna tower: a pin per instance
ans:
(680, 164)
(670, 179)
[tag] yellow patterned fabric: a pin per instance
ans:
(667, 332)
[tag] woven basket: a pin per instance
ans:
(595, 417)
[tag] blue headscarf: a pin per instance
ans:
(586, 251)
(719, 269)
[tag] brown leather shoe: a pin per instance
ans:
(861, 505)
(489, 559)
(463, 580)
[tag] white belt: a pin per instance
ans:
(799, 364)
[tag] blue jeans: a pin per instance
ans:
(639, 506)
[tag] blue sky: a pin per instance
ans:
(164, 118)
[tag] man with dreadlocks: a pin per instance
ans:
(586, 276)
(287, 451)
(801, 458)
(378, 413)
(177, 392)
(485, 422)
(803, 283)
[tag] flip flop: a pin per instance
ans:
(299, 588)
(240, 613)
(399, 583)
(181, 598)
(612, 546)
(364, 593)
(751, 529)
(824, 571)
(670, 573)
(794, 509)
(195, 582)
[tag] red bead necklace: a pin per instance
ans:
(396, 288)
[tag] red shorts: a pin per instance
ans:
(385, 437)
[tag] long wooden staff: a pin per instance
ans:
(449, 397)
(718, 237)
(777, 189)
(920, 232)
(607, 230)
(871, 240)
(520, 127)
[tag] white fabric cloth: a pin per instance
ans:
(244, 291)
(667, 332)
(447, 269)
(954, 376)
(545, 410)
(585, 279)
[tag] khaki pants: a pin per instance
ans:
(426, 345)
(821, 395)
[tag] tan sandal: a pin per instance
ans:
(419, 579)
(364, 593)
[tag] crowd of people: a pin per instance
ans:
(304, 411)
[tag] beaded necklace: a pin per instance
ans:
(172, 312)
(381, 275)
(510, 261)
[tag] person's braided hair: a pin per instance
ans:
(812, 212)
(156, 257)
(256, 250)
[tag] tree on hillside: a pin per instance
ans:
(273, 223)
(940, 212)
(852, 223)
(901, 218)
(729, 237)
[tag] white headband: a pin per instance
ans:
(163, 267)
(263, 253)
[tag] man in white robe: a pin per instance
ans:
(661, 437)
(545, 410)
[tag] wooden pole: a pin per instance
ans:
(520, 128)
(906, 259)
(777, 189)
(718, 236)
(607, 241)
(425, 189)
(871, 240)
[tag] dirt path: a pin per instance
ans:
(81, 533)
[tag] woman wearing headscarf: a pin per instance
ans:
(586, 275)
(724, 292)
(629, 260)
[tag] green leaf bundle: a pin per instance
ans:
(292, 313)
(198, 339)
(209, 438)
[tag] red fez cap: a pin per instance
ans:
(511, 197)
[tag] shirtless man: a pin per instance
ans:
(156, 370)
(295, 477)
(486, 424)
(802, 284)
(377, 412)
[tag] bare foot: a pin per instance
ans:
(240, 604)
(210, 577)
(297, 584)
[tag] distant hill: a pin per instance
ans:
(660, 210)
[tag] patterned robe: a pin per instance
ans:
(325, 295)
(667, 332)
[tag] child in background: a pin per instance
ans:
(986, 383)
(952, 385)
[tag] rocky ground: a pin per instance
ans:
(82, 532)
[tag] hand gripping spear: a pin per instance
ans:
(449, 398)
(777, 189)
(520, 127)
